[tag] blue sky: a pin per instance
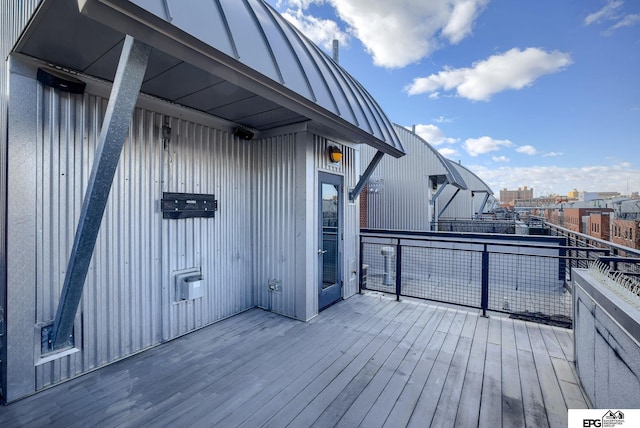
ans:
(544, 94)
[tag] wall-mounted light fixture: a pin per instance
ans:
(243, 133)
(335, 154)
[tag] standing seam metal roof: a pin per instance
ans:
(257, 36)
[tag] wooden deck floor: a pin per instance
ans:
(368, 361)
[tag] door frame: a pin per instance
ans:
(332, 294)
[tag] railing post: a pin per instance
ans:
(398, 271)
(360, 265)
(485, 281)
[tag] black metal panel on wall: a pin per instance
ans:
(188, 205)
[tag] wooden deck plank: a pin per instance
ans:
(470, 324)
(368, 361)
(278, 361)
(522, 336)
(299, 365)
(434, 388)
(569, 384)
(554, 403)
(565, 339)
(534, 411)
(333, 402)
(512, 407)
(354, 416)
(383, 406)
(551, 341)
(469, 405)
(446, 409)
(291, 400)
(410, 395)
(491, 405)
(495, 331)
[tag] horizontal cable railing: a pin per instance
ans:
(526, 278)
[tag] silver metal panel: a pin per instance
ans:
(120, 308)
(128, 303)
(199, 159)
(399, 189)
(14, 16)
(400, 192)
(21, 231)
(273, 161)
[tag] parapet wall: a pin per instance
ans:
(607, 340)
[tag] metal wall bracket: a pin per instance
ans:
(188, 205)
(365, 177)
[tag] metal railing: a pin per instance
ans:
(526, 277)
(620, 259)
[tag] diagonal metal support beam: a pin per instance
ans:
(123, 98)
(365, 177)
(448, 203)
(484, 204)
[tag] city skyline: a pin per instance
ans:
(543, 94)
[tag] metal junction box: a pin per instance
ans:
(189, 285)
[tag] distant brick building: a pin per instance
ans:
(572, 219)
(509, 196)
(626, 232)
(599, 225)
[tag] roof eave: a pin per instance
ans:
(130, 19)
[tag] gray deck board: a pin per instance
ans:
(367, 361)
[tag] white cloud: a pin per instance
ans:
(500, 159)
(384, 26)
(626, 21)
(443, 119)
(546, 180)
(449, 152)
(608, 12)
(514, 69)
(433, 135)
(321, 31)
(460, 23)
(527, 150)
(482, 145)
(552, 154)
(612, 12)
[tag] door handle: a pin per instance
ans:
(321, 251)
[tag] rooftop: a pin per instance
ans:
(366, 361)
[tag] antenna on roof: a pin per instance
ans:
(336, 51)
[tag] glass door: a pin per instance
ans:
(330, 240)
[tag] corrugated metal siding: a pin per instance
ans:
(128, 301)
(402, 199)
(120, 311)
(14, 16)
(404, 183)
(273, 162)
(460, 207)
(203, 160)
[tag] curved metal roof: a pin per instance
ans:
(449, 173)
(236, 59)
(474, 183)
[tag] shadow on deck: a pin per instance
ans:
(367, 361)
